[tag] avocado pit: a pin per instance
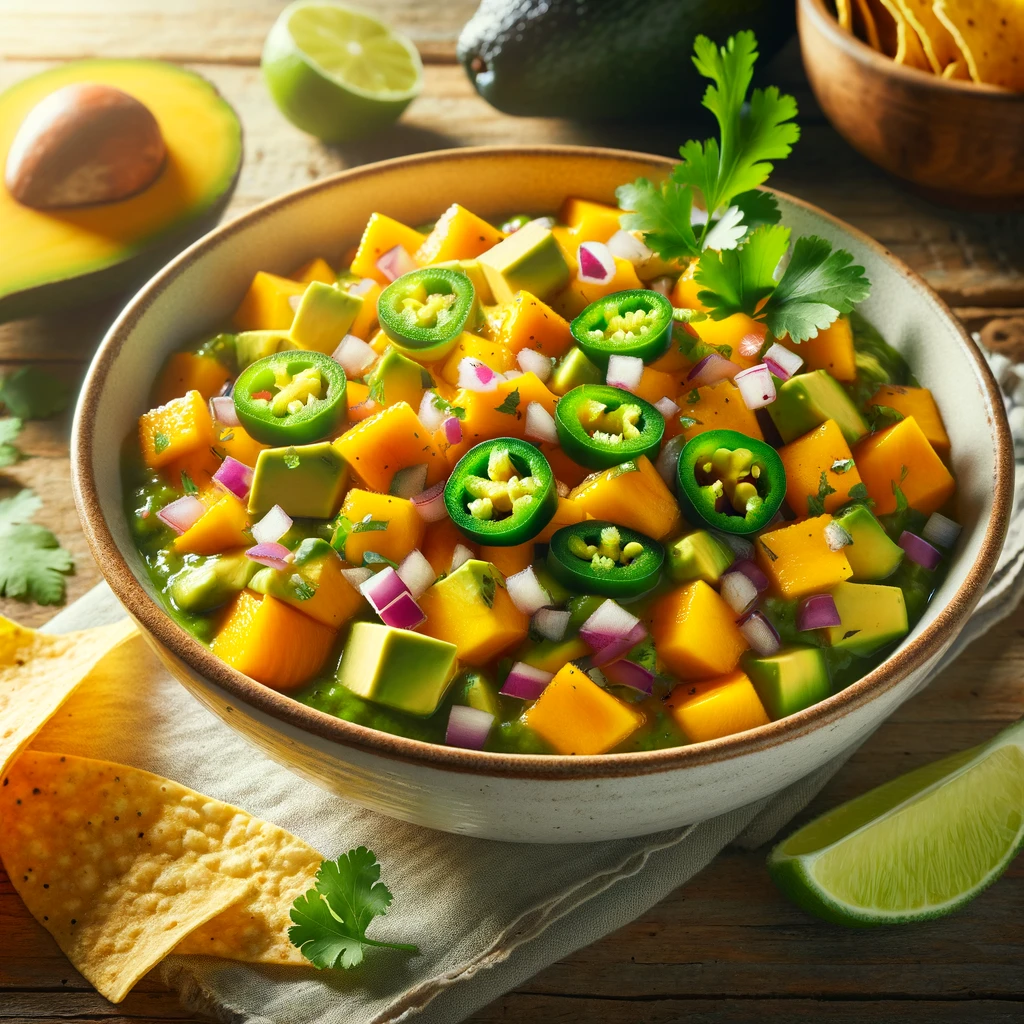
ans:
(85, 143)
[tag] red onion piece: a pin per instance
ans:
(409, 481)
(526, 591)
(741, 547)
(738, 592)
(532, 361)
(540, 424)
(817, 612)
(836, 537)
(468, 727)
(430, 504)
(551, 623)
(362, 286)
(759, 633)
(756, 386)
(563, 489)
(477, 376)
(918, 550)
(235, 477)
(711, 369)
(430, 415)
(354, 356)
(625, 372)
(382, 588)
(663, 285)
(272, 527)
(940, 530)
(668, 460)
(782, 362)
(617, 648)
(460, 556)
(750, 344)
(395, 262)
(452, 427)
(525, 681)
(596, 263)
(608, 623)
(357, 575)
(416, 573)
(182, 513)
(666, 407)
(402, 613)
(222, 411)
(629, 673)
(271, 554)
(753, 572)
(628, 247)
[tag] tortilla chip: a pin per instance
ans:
(869, 27)
(38, 671)
(909, 50)
(123, 867)
(957, 69)
(939, 45)
(843, 15)
(885, 27)
(991, 35)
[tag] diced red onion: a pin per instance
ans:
(468, 727)
(477, 376)
(759, 633)
(617, 648)
(752, 571)
(738, 592)
(629, 673)
(663, 285)
(410, 481)
(750, 344)
(452, 427)
(741, 547)
(609, 623)
(782, 362)
(235, 477)
(668, 460)
(362, 286)
(395, 262)
(918, 550)
(941, 530)
(382, 588)
(551, 623)
(628, 247)
(540, 424)
(357, 575)
(596, 263)
(272, 527)
(416, 573)
(563, 489)
(182, 513)
(430, 504)
(402, 613)
(836, 536)
(526, 682)
(817, 612)
(430, 415)
(532, 361)
(526, 591)
(354, 356)
(511, 375)
(222, 411)
(460, 556)
(625, 372)
(711, 369)
(271, 554)
(666, 407)
(757, 388)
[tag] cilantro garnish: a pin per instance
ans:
(443, 405)
(160, 442)
(693, 397)
(858, 495)
(901, 499)
(329, 921)
(188, 484)
(841, 466)
(488, 588)
(375, 558)
(32, 562)
(33, 394)
(426, 380)
(883, 416)
(688, 421)
(291, 458)
(10, 427)
(369, 525)
(816, 503)
(511, 403)
(302, 589)
(376, 392)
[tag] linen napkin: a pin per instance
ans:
(486, 915)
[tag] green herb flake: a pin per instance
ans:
(426, 380)
(841, 466)
(291, 458)
(10, 428)
(31, 393)
(693, 397)
(369, 525)
(161, 442)
(883, 416)
(302, 589)
(511, 403)
(688, 421)
(901, 499)
(858, 494)
(816, 503)
(488, 588)
(375, 558)
(188, 484)
(443, 405)
(32, 562)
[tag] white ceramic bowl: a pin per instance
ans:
(500, 796)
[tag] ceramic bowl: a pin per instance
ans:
(500, 796)
(958, 142)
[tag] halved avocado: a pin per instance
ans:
(52, 258)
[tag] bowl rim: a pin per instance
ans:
(237, 687)
(855, 47)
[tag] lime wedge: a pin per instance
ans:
(338, 73)
(919, 846)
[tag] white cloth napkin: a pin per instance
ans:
(486, 915)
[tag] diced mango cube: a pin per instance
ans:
(695, 632)
(366, 510)
(187, 371)
(797, 560)
(590, 221)
(317, 269)
(716, 708)
(267, 304)
(919, 403)
(822, 451)
(831, 350)
(180, 427)
(714, 407)
(527, 322)
(220, 528)
(632, 495)
(380, 236)
(458, 235)
(472, 346)
(577, 294)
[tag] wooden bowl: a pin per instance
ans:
(958, 142)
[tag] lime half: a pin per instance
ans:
(917, 847)
(338, 73)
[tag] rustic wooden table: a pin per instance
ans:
(728, 947)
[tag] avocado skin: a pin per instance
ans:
(604, 58)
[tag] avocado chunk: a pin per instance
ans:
(396, 378)
(574, 369)
(475, 272)
(530, 260)
(698, 556)
(870, 617)
(292, 585)
(872, 555)
(476, 690)
(305, 480)
(253, 345)
(326, 313)
(789, 680)
(809, 399)
(397, 667)
(211, 583)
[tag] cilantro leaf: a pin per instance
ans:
(10, 427)
(735, 281)
(759, 208)
(443, 405)
(369, 525)
(375, 558)
(19, 508)
(858, 495)
(330, 920)
(488, 588)
(842, 466)
(663, 213)
(188, 485)
(33, 394)
(32, 563)
(161, 442)
(511, 403)
(882, 416)
(901, 499)
(816, 503)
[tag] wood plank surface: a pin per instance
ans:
(726, 948)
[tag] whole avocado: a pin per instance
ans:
(603, 58)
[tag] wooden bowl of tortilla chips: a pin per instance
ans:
(930, 90)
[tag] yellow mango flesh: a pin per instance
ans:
(637, 499)
(404, 531)
(180, 427)
(716, 708)
(919, 403)
(695, 632)
(797, 560)
(266, 305)
(220, 528)
(806, 458)
(529, 323)
(457, 235)
(381, 235)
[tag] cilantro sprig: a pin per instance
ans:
(32, 562)
(329, 921)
